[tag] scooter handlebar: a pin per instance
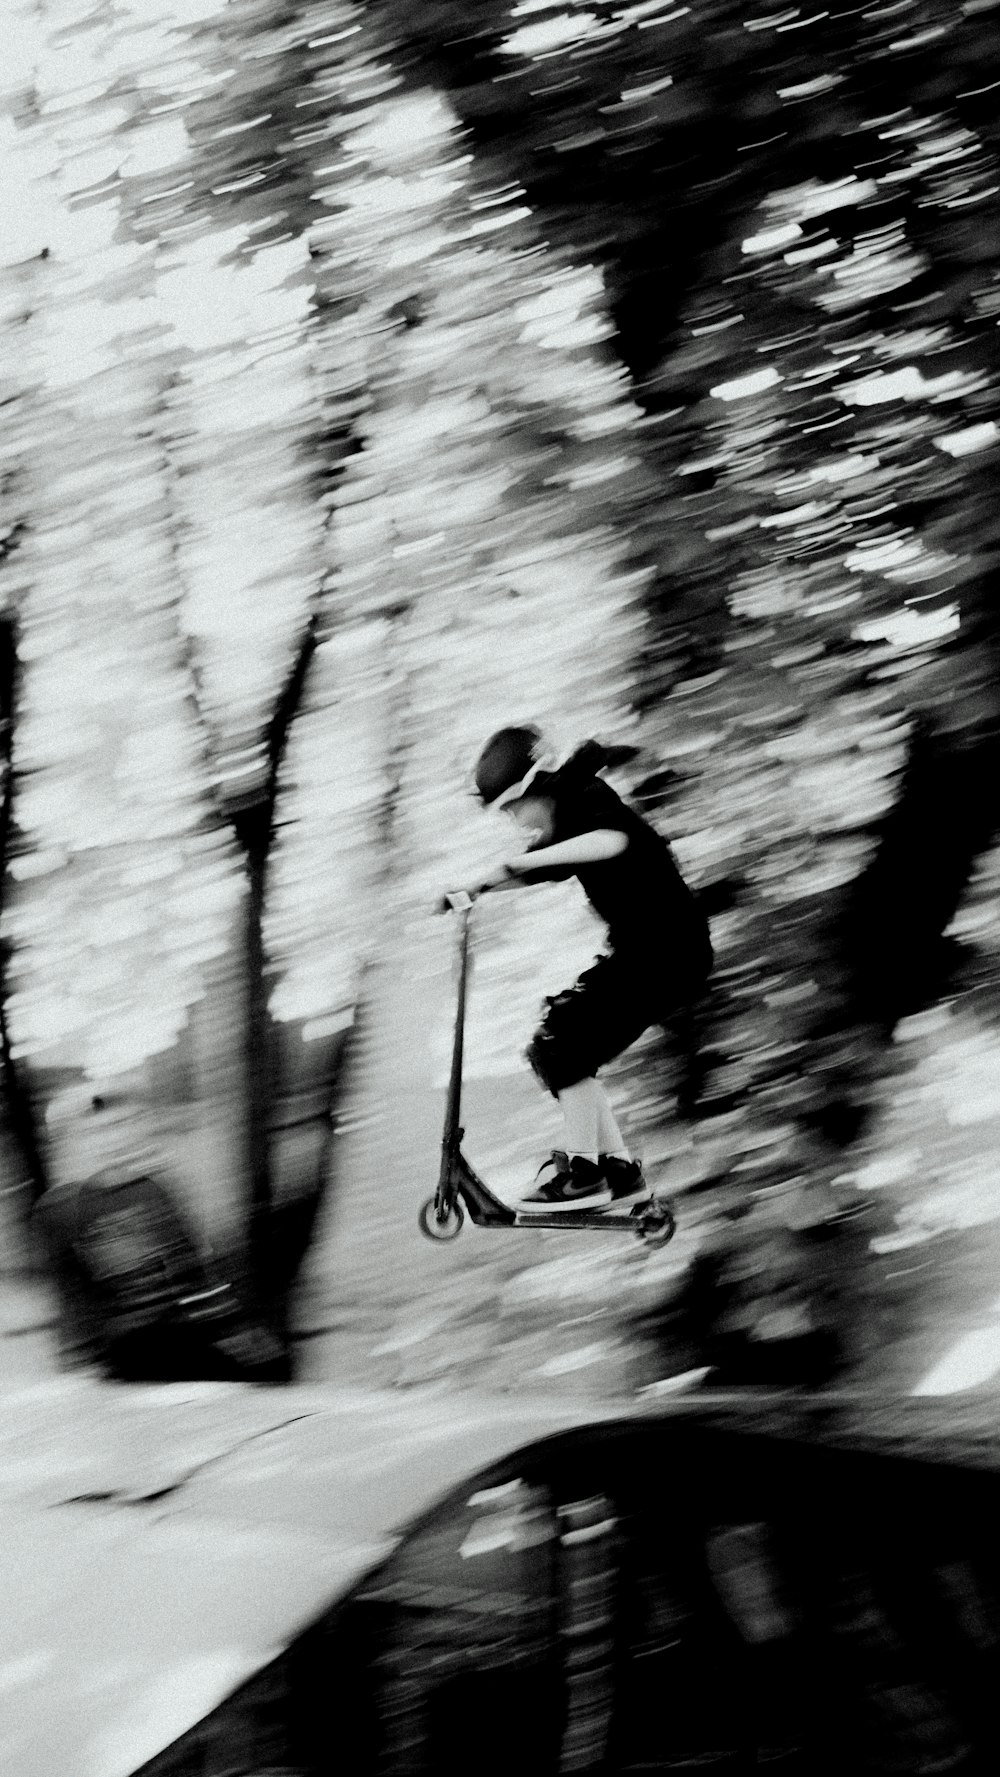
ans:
(459, 900)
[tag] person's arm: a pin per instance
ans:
(584, 848)
(594, 847)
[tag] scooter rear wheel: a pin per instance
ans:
(434, 1227)
(656, 1225)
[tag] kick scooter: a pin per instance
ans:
(460, 1188)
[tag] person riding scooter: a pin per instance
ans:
(658, 955)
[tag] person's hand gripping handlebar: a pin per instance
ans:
(456, 901)
(460, 900)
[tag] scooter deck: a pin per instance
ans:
(595, 1219)
(488, 1211)
(461, 1190)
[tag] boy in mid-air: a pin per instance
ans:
(657, 961)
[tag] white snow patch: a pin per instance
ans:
(973, 1360)
(574, 1360)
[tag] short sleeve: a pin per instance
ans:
(589, 809)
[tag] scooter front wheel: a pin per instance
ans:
(437, 1227)
(657, 1224)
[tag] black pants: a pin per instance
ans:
(614, 1001)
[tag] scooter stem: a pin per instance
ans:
(453, 1108)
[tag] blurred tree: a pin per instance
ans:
(796, 215)
(172, 474)
(223, 661)
(659, 137)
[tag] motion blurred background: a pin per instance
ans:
(373, 375)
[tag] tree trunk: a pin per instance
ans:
(946, 815)
(254, 830)
(17, 1098)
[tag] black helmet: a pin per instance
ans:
(510, 759)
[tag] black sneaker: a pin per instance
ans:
(568, 1184)
(625, 1178)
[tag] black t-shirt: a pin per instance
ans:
(640, 894)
